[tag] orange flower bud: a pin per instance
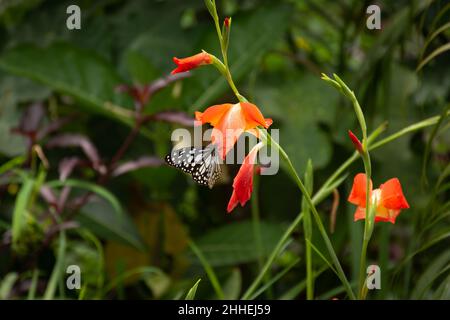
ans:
(192, 62)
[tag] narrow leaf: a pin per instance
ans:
(191, 294)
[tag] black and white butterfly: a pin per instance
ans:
(201, 163)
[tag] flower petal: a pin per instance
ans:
(382, 214)
(392, 215)
(243, 182)
(253, 116)
(392, 195)
(360, 213)
(358, 194)
(233, 202)
(213, 114)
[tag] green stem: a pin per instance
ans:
(309, 270)
(369, 222)
(223, 49)
(307, 231)
(275, 252)
(208, 269)
(256, 219)
(318, 221)
(257, 228)
(370, 214)
(324, 190)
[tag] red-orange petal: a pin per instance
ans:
(360, 213)
(253, 116)
(233, 202)
(213, 114)
(358, 194)
(392, 195)
(243, 182)
(390, 218)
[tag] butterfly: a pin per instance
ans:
(201, 163)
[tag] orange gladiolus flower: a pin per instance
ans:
(388, 199)
(192, 62)
(243, 182)
(230, 121)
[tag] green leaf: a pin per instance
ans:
(431, 242)
(20, 209)
(72, 71)
(208, 269)
(300, 287)
(234, 244)
(10, 144)
(104, 193)
(191, 294)
(441, 29)
(6, 285)
(140, 68)
(58, 270)
(298, 103)
(274, 279)
(11, 164)
(33, 285)
(433, 55)
(98, 217)
(159, 283)
(233, 285)
(443, 291)
(430, 274)
(140, 271)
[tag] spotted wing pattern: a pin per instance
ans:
(201, 163)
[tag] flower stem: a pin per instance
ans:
(224, 50)
(318, 221)
(307, 231)
(369, 222)
(370, 214)
(257, 229)
(324, 190)
(275, 252)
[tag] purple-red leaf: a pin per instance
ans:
(165, 81)
(53, 126)
(48, 195)
(139, 163)
(63, 196)
(143, 93)
(77, 140)
(31, 118)
(66, 167)
(178, 117)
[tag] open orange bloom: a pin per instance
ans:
(243, 182)
(230, 121)
(388, 199)
(192, 62)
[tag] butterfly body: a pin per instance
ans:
(201, 163)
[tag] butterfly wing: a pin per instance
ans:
(201, 163)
